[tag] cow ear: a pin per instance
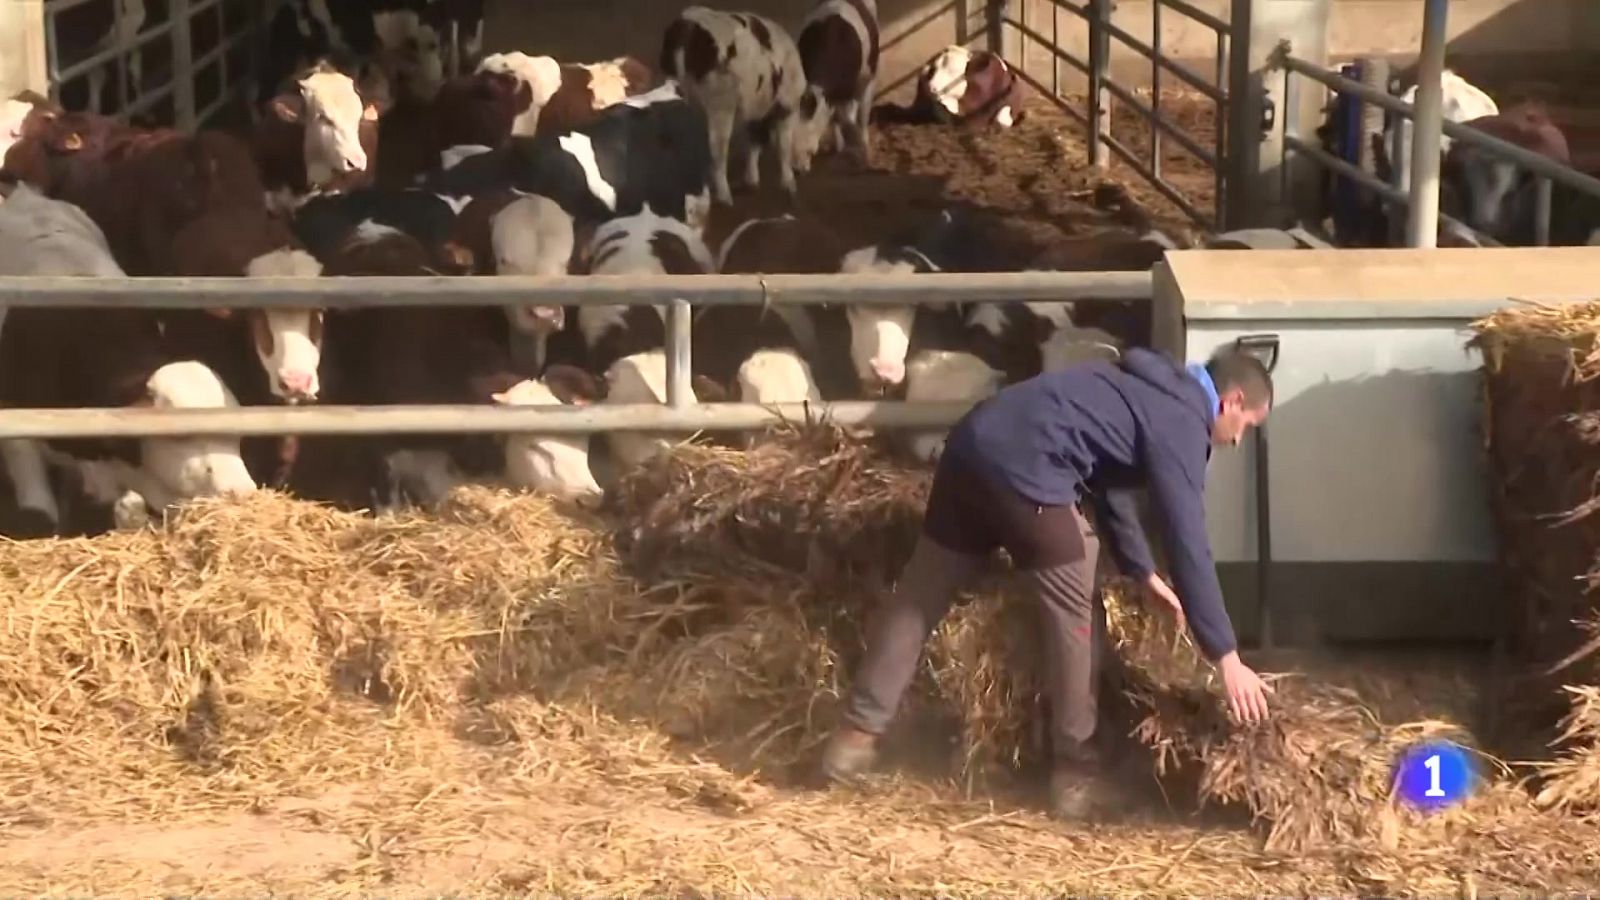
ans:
(70, 142)
(708, 391)
(287, 107)
(572, 385)
(369, 113)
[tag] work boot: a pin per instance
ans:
(849, 754)
(1080, 789)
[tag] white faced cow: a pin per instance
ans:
(745, 69)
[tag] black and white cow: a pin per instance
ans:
(839, 46)
(744, 69)
(649, 149)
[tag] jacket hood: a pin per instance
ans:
(1170, 378)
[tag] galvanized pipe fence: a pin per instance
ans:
(679, 293)
(1546, 172)
(1097, 15)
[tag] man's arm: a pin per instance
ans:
(1178, 488)
(1117, 509)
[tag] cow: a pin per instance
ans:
(639, 377)
(1484, 190)
(440, 355)
(649, 149)
(139, 185)
(320, 133)
(945, 376)
(111, 357)
(744, 69)
(323, 222)
(23, 112)
(642, 244)
(532, 235)
(407, 40)
(796, 244)
(965, 87)
(839, 47)
(558, 97)
(1462, 101)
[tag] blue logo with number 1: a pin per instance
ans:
(1435, 774)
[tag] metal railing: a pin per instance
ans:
(1546, 171)
(185, 69)
(679, 412)
(1097, 118)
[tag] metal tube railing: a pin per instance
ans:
(351, 292)
(678, 413)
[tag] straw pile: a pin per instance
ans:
(817, 504)
(1542, 398)
(270, 695)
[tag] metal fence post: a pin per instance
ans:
(994, 26)
(680, 393)
(183, 75)
(1422, 220)
(1099, 94)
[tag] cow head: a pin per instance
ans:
(812, 121)
(532, 235)
(946, 376)
(410, 51)
(331, 111)
(288, 341)
(193, 466)
(880, 335)
(18, 113)
(638, 378)
(777, 376)
(551, 464)
(944, 79)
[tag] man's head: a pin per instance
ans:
(1244, 394)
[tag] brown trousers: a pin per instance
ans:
(969, 515)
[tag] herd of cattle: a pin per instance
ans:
(383, 143)
(523, 166)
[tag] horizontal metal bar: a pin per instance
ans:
(1064, 56)
(148, 99)
(1183, 72)
(57, 7)
(99, 58)
(1160, 184)
(1383, 189)
(1082, 118)
(571, 290)
(464, 419)
(1527, 159)
(1162, 123)
(1199, 15)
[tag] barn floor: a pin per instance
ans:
(1034, 174)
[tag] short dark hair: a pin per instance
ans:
(1234, 368)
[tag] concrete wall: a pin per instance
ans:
(22, 53)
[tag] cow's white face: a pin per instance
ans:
(812, 121)
(640, 378)
(193, 466)
(533, 236)
(946, 376)
(541, 75)
(777, 376)
(553, 465)
(947, 77)
(288, 341)
(1071, 345)
(880, 336)
(333, 113)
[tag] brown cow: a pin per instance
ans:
(961, 86)
(320, 133)
(554, 97)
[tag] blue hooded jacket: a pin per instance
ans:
(1104, 429)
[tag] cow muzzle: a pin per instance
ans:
(296, 386)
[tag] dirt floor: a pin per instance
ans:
(1035, 174)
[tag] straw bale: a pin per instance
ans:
(1540, 396)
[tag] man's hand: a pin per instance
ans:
(1155, 585)
(1247, 693)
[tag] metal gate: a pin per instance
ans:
(1016, 27)
(177, 63)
